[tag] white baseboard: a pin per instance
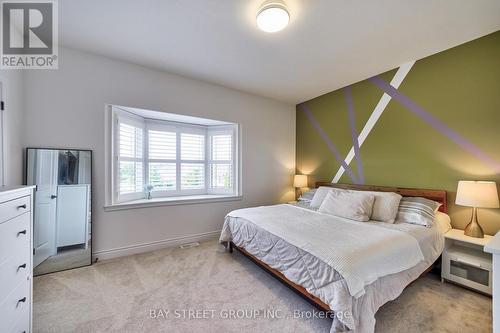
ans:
(152, 246)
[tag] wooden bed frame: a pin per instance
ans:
(436, 195)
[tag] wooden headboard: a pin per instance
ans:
(436, 195)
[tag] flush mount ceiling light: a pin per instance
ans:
(273, 16)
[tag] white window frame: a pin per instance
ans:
(114, 200)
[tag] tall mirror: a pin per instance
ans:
(62, 225)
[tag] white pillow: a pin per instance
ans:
(443, 222)
(348, 204)
(319, 196)
(385, 207)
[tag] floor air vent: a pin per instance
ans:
(189, 245)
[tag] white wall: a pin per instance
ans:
(65, 108)
(12, 83)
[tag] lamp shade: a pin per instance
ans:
(300, 181)
(477, 194)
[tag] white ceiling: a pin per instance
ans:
(327, 45)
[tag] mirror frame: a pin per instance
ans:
(25, 181)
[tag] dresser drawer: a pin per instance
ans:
(15, 253)
(13, 309)
(15, 250)
(13, 208)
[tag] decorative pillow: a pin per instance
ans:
(385, 207)
(352, 205)
(416, 210)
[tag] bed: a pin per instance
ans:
(293, 243)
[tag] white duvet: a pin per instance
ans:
(360, 252)
(261, 231)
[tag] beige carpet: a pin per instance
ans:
(118, 295)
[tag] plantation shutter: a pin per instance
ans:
(192, 161)
(162, 169)
(130, 178)
(221, 162)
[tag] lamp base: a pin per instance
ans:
(473, 229)
(298, 193)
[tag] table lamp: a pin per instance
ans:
(300, 181)
(476, 194)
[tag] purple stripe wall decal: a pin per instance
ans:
(354, 133)
(436, 123)
(328, 142)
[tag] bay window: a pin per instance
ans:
(171, 159)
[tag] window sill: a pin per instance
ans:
(170, 201)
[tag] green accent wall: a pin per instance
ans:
(459, 86)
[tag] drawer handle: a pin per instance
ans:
(21, 207)
(22, 300)
(21, 266)
(23, 232)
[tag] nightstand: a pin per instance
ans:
(464, 261)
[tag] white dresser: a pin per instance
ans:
(16, 273)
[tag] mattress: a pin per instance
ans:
(321, 280)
